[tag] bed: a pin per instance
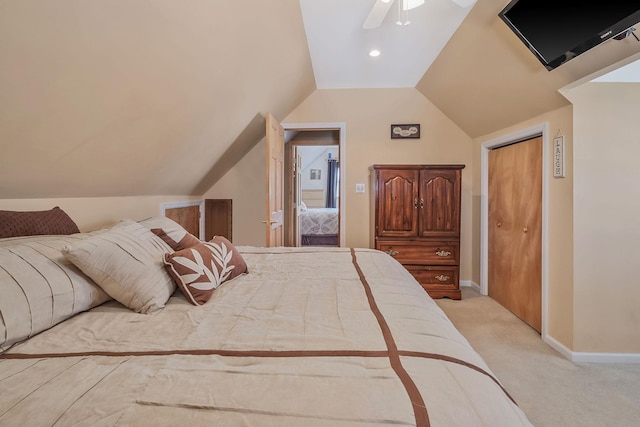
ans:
(319, 227)
(311, 336)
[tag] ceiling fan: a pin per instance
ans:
(381, 8)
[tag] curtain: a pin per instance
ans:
(333, 177)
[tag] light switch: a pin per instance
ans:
(359, 188)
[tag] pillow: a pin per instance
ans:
(39, 287)
(199, 270)
(32, 223)
(171, 232)
(126, 261)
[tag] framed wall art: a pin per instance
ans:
(314, 174)
(405, 131)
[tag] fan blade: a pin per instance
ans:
(377, 14)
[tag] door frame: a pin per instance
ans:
(541, 129)
(342, 149)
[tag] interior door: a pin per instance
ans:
(515, 229)
(275, 183)
(292, 183)
(297, 178)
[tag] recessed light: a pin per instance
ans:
(374, 52)
(385, 1)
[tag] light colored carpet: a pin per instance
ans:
(552, 390)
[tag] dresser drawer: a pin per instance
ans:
(437, 281)
(423, 253)
(435, 277)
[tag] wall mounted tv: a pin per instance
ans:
(559, 30)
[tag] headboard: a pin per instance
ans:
(313, 198)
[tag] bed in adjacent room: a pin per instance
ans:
(143, 324)
(319, 227)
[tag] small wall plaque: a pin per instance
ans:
(558, 157)
(405, 131)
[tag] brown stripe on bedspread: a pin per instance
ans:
(205, 352)
(419, 407)
(454, 360)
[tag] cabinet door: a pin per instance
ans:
(439, 202)
(397, 209)
(218, 218)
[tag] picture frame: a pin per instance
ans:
(405, 131)
(314, 174)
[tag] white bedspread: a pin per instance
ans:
(310, 336)
(319, 221)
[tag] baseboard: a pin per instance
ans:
(559, 347)
(606, 357)
(585, 357)
(576, 356)
(471, 284)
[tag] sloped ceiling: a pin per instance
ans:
(139, 97)
(485, 79)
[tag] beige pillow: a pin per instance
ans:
(126, 261)
(39, 287)
(200, 269)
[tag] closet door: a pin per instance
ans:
(515, 229)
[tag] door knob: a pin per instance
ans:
(525, 229)
(499, 224)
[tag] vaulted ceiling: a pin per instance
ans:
(139, 97)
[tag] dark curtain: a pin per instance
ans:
(333, 176)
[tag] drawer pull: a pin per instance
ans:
(440, 252)
(392, 252)
(443, 278)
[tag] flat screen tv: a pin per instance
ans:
(559, 30)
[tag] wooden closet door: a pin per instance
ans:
(515, 229)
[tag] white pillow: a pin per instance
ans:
(126, 261)
(39, 287)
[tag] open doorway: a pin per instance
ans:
(314, 185)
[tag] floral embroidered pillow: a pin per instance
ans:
(200, 269)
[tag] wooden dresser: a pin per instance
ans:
(416, 219)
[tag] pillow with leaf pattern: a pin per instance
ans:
(200, 269)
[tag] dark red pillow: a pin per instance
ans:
(33, 223)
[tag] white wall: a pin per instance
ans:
(607, 217)
(315, 158)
